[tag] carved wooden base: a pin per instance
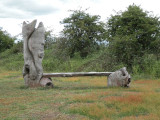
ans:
(119, 78)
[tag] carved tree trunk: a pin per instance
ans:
(33, 54)
(119, 78)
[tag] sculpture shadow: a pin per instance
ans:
(23, 87)
(79, 88)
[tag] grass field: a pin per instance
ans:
(78, 98)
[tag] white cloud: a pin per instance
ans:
(25, 8)
(51, 12)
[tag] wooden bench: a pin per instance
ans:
(76, 74)
(117, 78)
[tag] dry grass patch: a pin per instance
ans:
(92, 110)
(71, 79)
(89, 97)
(142, 117)
(125, 99)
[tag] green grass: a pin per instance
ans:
(99, 61)
(78, 98)
(9, 60)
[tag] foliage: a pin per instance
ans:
(6, 41)
(17, 47)
(131, 34)
(49, 39)
(61, 49)
(149, 67)
(12, 59)
(82, 32)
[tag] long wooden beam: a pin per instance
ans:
(76, 74)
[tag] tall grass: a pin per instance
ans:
(146, 67)
(13, 60)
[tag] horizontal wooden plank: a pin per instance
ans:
(76, 74)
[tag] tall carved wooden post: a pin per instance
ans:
(33, 54)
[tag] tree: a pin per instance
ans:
(82, 32)
(131, 34)
(49, 39)
(6, 41)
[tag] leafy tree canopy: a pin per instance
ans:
(49, 39)
(132, 33)
(6, 41)
(82, 32)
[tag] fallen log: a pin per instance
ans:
(76, 74)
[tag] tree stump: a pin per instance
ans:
(119, 78)
(33, 54)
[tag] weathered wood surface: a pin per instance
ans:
(119, 78)
(46, 82)
(33, 54)
(76, 74)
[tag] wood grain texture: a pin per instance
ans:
(76, 74)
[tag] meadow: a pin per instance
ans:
(78, 98)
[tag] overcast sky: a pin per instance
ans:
(51, 12)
